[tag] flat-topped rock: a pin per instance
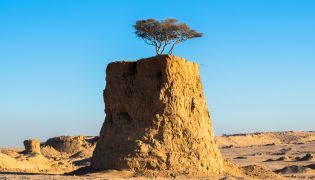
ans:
(157, 119)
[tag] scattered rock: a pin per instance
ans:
(293, 170)
(228, 178)
(307, 157)
(311, 166)
(227, 147)
(271, 144)
(282, 151)
(269, 160)
(257, 154)
(240, 157)
(297, 143)
(283, 158)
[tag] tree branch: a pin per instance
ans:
(172, 47)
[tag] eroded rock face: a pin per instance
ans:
(32, 146)
(156, 119)
(71, 144)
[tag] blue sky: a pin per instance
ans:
(257, 62)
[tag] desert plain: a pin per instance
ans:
(267, 155)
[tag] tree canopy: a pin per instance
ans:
(160, 34)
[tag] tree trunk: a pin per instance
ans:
(171, 50)
(157, 50)
(163, 48)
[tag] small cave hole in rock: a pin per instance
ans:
(126, 116)
(159, 74)
(159, 80)
(193, 105)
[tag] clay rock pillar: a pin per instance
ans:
(156, 119)
(32, 146)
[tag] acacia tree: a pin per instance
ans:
(160, 34)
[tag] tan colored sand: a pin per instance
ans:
(32, 163)
(11, 160)
(267, 138)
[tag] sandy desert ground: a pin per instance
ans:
(289, 154)
(274, 155)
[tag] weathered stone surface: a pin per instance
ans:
(71, 144)
(32, 146)
(156, 119)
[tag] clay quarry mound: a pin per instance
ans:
(265, 138)
(157, 120)
(55, 156)
(71, 144)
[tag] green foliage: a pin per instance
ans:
(160, 34)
